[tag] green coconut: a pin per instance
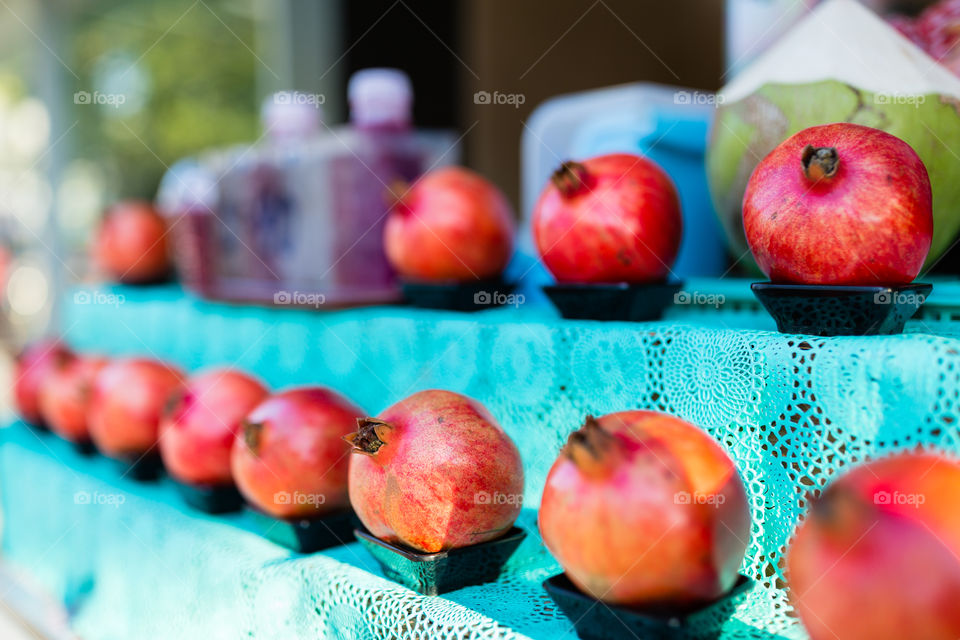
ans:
(840, 64)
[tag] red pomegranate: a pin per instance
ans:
(840, 204)
(203, 420)
(878, 555)
(34, 364)
(290, 460)
(435, 472)
(452, 225)
(644, 509)
(612, 218)
(129, 396)
(131, 243)
(66, 394)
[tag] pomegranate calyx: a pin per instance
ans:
(570, 178)
(369, 435)
(251, 435)
(589, 445)
(395, 193)
(842, 512)
(819, 162)
(171, 403)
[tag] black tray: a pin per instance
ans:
(143, 468)
(476, 295)
(619, 301)
(823, 310)
(435, 573)
(595, 620)
(210, 498)
(307, 535)
(84, 448)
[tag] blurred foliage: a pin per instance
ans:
(186, 71)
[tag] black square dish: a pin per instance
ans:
(595, 620)
(210, 498)
(618, 301)
(435, 573)
(145, 467)
(823, 310)
(306, 535)
(475, 295)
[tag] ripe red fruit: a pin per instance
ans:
(289, 460)
(612, 218)
(131, 244)
(34, 364)
(878, 555)
(644, 509)
(452, 225)
(201, 423)
(66, 394)
(129, 396)
(840, 204)
(435, 472)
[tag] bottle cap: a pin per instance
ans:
(187, 185)
(380, 96)
(292, 114)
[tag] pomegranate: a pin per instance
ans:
(34, 364)
(289, 459)
(878, 555)
(129, 396)
(435, 472)
(935, 31)
(452, 225)
(202, 422)
(612, 218)
(644, 509)
(840, 204)
(131, 243)
(65, 397)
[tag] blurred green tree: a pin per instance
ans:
(160, 80)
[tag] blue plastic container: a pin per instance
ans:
(669, 125)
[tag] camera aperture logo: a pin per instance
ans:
(512, 99)
(497, 498)
(108, 99)
(99, 297)
(298, 498)
(498, 299)
(299, 299)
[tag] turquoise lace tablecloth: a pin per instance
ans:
(791, 410)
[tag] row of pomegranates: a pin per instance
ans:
(641, 509)
(839, 204)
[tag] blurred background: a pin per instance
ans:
(99, 99)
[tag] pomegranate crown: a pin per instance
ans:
(589, 446)
(819, 162)
(570, 178)
(251, 435)
(368, 438)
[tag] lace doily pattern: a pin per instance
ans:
(791, 410)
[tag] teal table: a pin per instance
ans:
(131, 561)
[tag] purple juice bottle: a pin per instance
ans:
(298, 218)
(384, 153)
